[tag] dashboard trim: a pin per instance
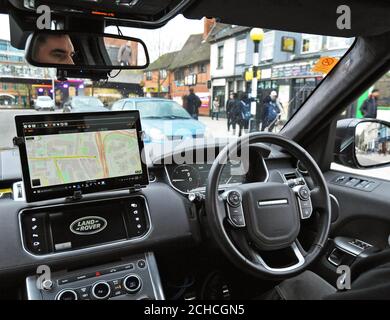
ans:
(91, 248)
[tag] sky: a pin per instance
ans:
(171, 37)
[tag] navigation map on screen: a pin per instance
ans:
(74, 157)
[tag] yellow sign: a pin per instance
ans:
(325, 64)
(288, 44)
(151, 90)
(249, 75)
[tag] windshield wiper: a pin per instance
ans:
(151, 117)
(175, 117)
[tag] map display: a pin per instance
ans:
(84, 156)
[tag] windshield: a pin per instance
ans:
(203, 70)
(85, 102)
(161, 110)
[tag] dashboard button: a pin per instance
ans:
(132, 283)
(304, 193)
(101, 290)
(141, 264)
(234, 198)
(67, 295)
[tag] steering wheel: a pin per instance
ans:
(255, 219)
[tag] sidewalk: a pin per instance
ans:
(218, 128)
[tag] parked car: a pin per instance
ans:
(163, 119)
(83, 104)
(44, 103)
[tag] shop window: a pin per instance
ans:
(163, 74)
(267, 52)
(179, 75)
(311, 43)
(241, 51)
(220, 57)
(334, 43)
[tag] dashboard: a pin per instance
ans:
(187, 178)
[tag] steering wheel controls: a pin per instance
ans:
(304, 201)
(234, 209)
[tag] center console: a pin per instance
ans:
(133, 278)
(79, 225)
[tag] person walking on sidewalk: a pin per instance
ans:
(229, 108)
(369, 108)
(272, 111)
(215, 111)
(193, 104)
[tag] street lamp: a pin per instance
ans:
(257, 35)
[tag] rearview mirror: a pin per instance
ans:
(362, 143)
(71, 50)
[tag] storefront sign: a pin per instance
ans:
(293, 70)
(325, 65)
(249, 74)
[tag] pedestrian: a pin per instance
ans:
(124, 54)
(185, 102)
(272, 111)
(369, 108)
(246, 112)
(237, 114)
(215, 111)
(194, 103)
(229, 107)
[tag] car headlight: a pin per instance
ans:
(157, 135)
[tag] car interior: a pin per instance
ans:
(264, 217)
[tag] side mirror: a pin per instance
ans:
(87, 51)
(362, 143)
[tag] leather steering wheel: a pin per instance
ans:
(257, 218)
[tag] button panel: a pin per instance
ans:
(135, 279)
(35, 235)
(304, 201)
(234, 209)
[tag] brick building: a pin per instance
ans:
(158, 77)
(173, 74)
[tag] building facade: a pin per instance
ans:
(286, 62)
(173, 74)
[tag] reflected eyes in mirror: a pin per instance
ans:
(53, 49)
(96, 51)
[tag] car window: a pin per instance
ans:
(374, 103)
(44, 98)
(81, 102)
(161, 110)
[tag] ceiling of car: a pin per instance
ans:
(368, 17)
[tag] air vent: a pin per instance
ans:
(290, 176)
